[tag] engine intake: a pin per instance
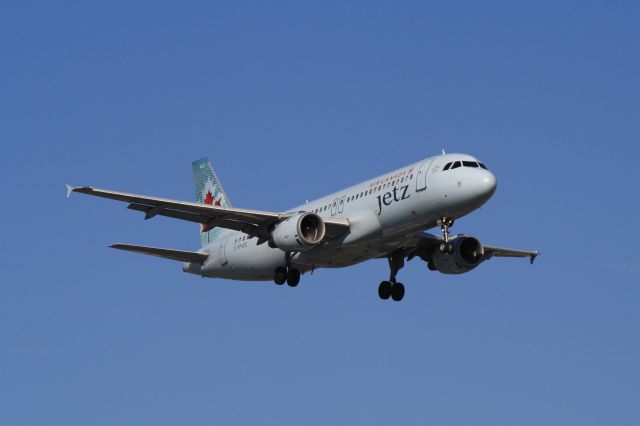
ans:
(300, 232)
(468, 253)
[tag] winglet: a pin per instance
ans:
(533, 256)
(69, 189)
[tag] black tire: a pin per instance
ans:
(450, 248)
(280, 275)
(431, 266)
(397, 292)
(293, 277)
(384, 290)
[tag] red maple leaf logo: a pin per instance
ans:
(208, 199)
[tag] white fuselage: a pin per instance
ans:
(383, 214)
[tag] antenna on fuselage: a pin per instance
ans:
(443, 153)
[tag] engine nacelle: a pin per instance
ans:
(297, 233)
(468, 253)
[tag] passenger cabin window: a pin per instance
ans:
(469, 164)
(455, 165)
(446, 167)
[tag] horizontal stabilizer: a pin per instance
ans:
(181, 255)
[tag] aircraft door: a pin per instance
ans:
(223, 250)
(334, 206)
(421, 179)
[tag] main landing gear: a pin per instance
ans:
(289, 275)
(446, 223)
(392, 288)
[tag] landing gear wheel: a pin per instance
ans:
(280, 275)
(293, 277)
(384, 290)
(397, 291)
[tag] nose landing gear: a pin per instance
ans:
(446, 223)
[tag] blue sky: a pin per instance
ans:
(292, 100)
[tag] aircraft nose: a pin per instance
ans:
(489, 182)
(484, 186)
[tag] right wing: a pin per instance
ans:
(251, 222)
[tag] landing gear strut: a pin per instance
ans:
(392, 288)
(446, 223)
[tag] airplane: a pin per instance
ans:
(382, 217)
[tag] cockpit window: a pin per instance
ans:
(456, 164)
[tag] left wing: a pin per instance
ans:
(424, 243)
(490, 251)
(251, 222)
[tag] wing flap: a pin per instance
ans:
(153, 211)
(180, 255)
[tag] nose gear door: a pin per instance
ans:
(421, 179)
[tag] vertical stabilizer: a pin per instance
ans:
(209, 190)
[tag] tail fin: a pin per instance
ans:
(209, 191)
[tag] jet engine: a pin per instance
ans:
(468, 253)
(298, 233)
